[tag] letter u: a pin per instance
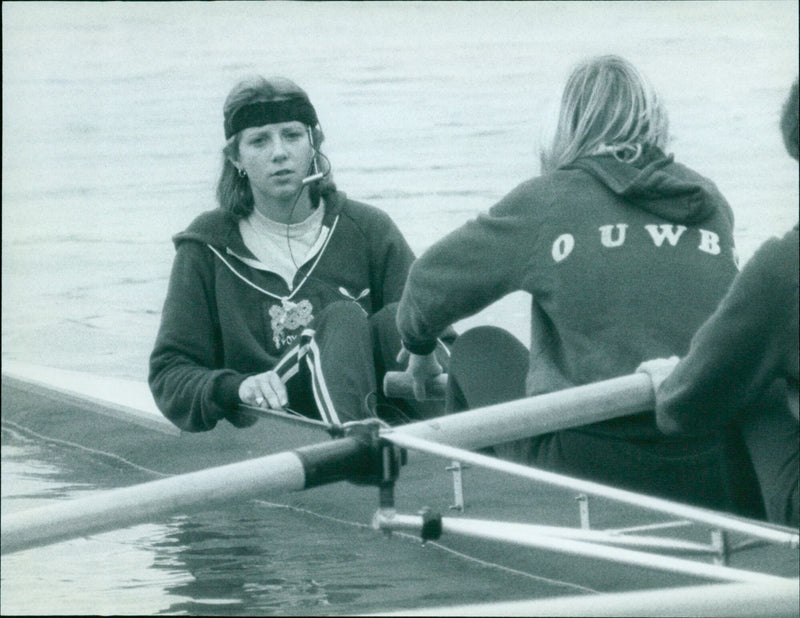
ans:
(607, 238)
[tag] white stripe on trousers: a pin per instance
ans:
(289, 366)
(321, 394)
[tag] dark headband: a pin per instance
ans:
(271, 112)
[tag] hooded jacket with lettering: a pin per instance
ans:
(623, 263)
(227, 316)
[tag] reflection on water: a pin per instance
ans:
(106, 574)
(253, 558)
(245, 560)
(242, 565)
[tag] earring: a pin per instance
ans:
(242, 173)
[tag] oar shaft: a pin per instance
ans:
(202, 490)
(572, 407)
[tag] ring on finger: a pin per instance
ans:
(259, 401)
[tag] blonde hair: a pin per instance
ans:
(607, 107)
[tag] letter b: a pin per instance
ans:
(709, 242)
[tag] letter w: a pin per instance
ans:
(665, 230)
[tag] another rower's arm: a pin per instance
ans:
(734, 356)
(466, 271)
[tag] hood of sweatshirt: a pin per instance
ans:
(656, 184)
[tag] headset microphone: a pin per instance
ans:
(312, 178)
(317, 175)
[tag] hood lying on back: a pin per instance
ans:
(657, 184)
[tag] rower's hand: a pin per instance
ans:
(264, 390)
(658, 369)
(421, 369)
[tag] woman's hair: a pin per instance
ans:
(789, 121)
(607, 107)
(233, 191)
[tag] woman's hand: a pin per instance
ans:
(421, 369)
(264, 390)
(658, 369)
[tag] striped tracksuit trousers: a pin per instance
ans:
(333, 373)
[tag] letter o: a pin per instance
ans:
(563, 246)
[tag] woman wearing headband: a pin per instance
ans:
(284, 296)
(624, 253)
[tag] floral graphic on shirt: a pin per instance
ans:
(287, 319)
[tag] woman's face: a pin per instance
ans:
(276, 158)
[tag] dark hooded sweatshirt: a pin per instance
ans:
(623, 263)
(750, 341)
(222, 318)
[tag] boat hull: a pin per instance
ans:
(117, 420)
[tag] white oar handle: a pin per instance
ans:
(399, 385)
(540, 414)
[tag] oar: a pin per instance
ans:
(323, 463)
(512, 420)
(452, 436)
(303, 468)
